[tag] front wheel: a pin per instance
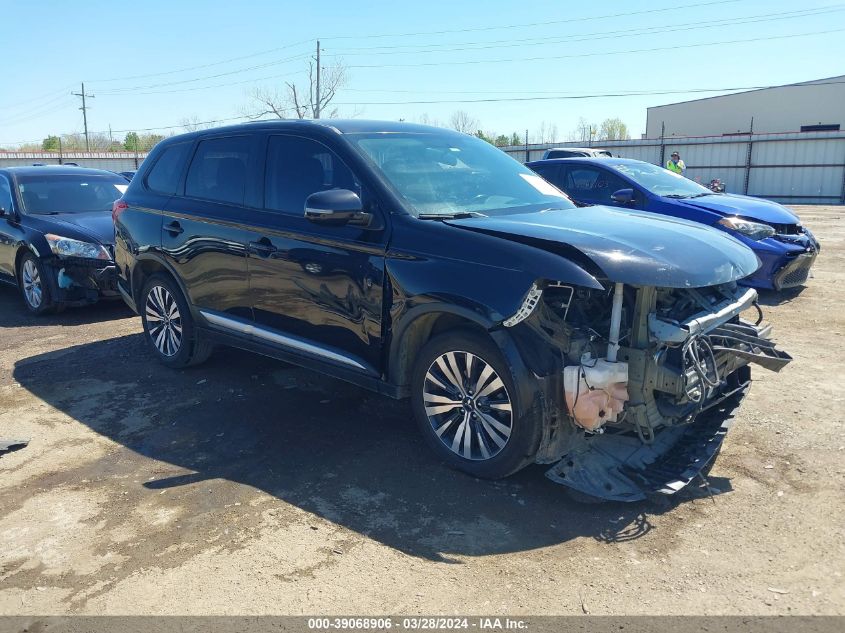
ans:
(33, 284)
(468, 408)
(169, 326)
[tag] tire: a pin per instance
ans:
(168, 325)
(502, 441)
(34, 289)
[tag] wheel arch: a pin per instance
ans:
(147, 266)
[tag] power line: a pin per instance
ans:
(565, 97)
(202, 66)
(521, 43)
(620, 94)
(595, 54)
(533, 24)
(231, 72)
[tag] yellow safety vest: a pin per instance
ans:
(678, 167)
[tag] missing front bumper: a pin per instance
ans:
(81, 282)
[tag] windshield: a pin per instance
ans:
(451, 174)
(661, 182)
(69, 193)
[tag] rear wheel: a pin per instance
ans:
(169, 326)
(33, 284)
(468, 408)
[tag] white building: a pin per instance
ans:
(811, 106)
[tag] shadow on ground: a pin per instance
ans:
(322, 445)
(13, 312)
(776, 298)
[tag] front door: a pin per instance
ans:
(315, 288)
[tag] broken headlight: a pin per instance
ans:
(67, 247)
(751, 230)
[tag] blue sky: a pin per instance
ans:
(155, 63)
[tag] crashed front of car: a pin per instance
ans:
(638, 373)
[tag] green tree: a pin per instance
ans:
(132, 142)
(502, 140)
(485, 137)
(613, 130)
(515, 139)
(51, 144)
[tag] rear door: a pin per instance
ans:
(317, 289)
(202, 232)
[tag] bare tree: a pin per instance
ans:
(462, 121)
(193, 124)
(298, 101)
(584, 131)
(547, 133)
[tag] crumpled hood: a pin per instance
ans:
(631, 247)
(96, 226)
(746, 207)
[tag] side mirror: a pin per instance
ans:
(623, 196)
(336, 207)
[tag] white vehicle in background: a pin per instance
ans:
(576, 152)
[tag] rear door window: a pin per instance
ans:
(5, 194)
(165, 174)
(218, 170)
(591, 184)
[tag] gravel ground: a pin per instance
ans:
(250, 486)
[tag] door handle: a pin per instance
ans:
(262, 248)
(174, 228)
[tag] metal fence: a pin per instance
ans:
(113, 161)
(797, 167)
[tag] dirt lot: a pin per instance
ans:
(250, 486)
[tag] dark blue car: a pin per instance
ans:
(785, 247)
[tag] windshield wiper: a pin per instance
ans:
(707, 193)
(676, 196)
(451, 216)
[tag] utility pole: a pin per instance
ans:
(317, 104)
(527, 151)
(84, 109)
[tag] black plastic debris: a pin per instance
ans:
(7, 446)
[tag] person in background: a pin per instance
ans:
(675, 164)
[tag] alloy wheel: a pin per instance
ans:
(164, 322)
(468, 405)
(32, 289)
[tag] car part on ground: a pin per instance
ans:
(607, 343)
(7, 445)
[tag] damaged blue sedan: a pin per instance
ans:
(787, 248)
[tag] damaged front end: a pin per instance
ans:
(80, 281)
(639, 381)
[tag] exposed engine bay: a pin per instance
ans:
(648, 379)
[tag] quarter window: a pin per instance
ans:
(298, 167)
(165, 174)
(218, 170)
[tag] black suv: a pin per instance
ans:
(421, 262)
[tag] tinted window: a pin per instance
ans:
(592, 184)
(218, 170)
(70, 193)
(165, 174)
(5, 194)
(298, 167)
(549, 172)
(563, 154)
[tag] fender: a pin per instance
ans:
(153, 256)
